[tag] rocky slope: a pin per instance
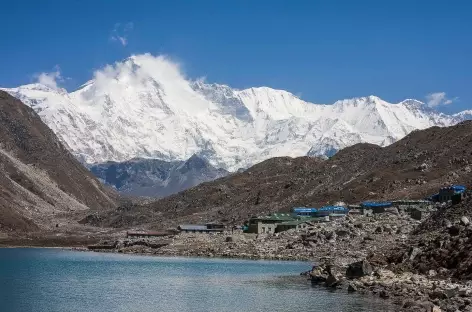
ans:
(156, 178)
(144, 107)
(441, 243)
(39, 179)
(413, 167)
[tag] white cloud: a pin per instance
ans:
(138, 68)
(120, 33)
(145, 71)
(50, 79)
(439, 99)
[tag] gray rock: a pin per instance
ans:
(331, 235)
(384, 294)
(426, 306)
(438, 294)
(454, 230)
(451, 292)
(387, 229)
(342, 233)
(465, 221)
(414, 252)
(359, 225)
(448, 224)
(332, 281)
(352, 287)
(359, 269)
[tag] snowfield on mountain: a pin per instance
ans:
(145, 107)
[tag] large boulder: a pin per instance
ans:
(332, 281)
(359, 269)
(454, 230)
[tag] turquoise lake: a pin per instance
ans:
(50, 280)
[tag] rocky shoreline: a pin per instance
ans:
(409, 291)
(343, 254)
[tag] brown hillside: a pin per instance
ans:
(413, 167)
(39, 178)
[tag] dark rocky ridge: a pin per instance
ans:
(413, 167)
(156, 178)
(39, 178)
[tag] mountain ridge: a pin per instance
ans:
(145, 107)
(40, 180)
(155, 178)
(412, 168)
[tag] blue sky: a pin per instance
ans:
(320, 50)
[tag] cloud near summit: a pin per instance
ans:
(137, 68)
(439, 99)
(50, 79)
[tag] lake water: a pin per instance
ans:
(49, 280)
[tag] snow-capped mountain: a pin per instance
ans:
(156, 178)
(144, 107)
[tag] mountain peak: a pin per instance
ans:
(145, 107)
(194, 163)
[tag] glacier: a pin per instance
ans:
(145, 107)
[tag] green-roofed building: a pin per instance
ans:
(268, 224)
(299, 224)
(279, 222)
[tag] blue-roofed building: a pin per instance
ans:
(304, 212)
(375, 207)
(454, 193)
(332, 210)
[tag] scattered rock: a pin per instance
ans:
(384, 294)
(447, 224)
(332, 281)
(414, 252)
(454, 230)
(465, 221)
(359, 269)
(352, 287)
(437, 294)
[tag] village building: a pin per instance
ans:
(305, 212)
(147, 234)
(332, 211)
(197, 228)
(370, 207)
(414, 207)
(267, 224)
(280, 222)
(297, 224)
(453, 193)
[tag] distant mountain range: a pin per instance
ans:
(143, 107)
